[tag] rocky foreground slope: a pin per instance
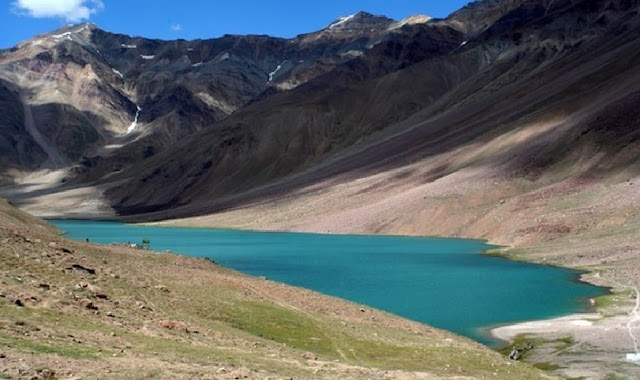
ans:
(74, 310)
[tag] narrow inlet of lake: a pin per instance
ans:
(446, 283)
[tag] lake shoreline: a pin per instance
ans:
(503, 335)
(506, 334)
(119, 312)
(608, 334)
(578, 344)
(195, 243)
(566, 323)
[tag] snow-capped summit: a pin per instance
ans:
(360, 21)
(341, 21)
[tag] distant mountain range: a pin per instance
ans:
(532, 92)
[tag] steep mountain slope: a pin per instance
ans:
(294, 129)
(87, 92)
(429, 93)
(522, 88)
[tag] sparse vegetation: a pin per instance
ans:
(613, 377)
(549, 367)
(524, 340)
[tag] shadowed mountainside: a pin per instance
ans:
(121, 98)
(416, 97)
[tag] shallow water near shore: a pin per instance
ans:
(446, 283)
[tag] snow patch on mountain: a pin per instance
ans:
(147, 57)
(84, 27)
(134, 124)
(222, 57)
(352, 53)
(271, 74)
(117, 72)
(341, 21)
(58, 36)
(68, 34)
(129, 46)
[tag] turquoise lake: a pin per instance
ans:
(446, 283)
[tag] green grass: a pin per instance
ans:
(613, 377)
(548, 367)
(306, 331)
(279, 324)
(59, 343)
(610, 304)
(607, 301)
(496, 252)
(70, 350)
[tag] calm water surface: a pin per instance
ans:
(446, 283)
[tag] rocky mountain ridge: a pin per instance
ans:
(111, 90)
(190, 127)
(430, 92)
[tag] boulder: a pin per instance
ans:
(175, 325)
(310, 356)
(14, 300)
(161, 288)
(88, 304)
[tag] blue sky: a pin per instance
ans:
(192, 19)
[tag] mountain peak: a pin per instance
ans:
(359, 20)
(73, 29)
(79, 33)
(412, 20)
(416, 19)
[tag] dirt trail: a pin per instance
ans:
(634, 318)
(56, 160)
